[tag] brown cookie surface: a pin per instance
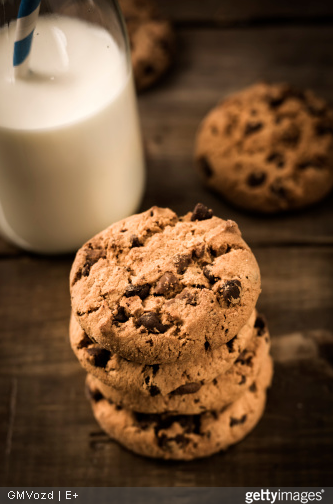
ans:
(197, 397)
(268, 148)
(158, 288)
(182, 437)
(163, 379)
(151, 41)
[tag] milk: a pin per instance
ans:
(71, 159)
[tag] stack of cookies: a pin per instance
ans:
(164, 322)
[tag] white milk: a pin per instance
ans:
(71, 160)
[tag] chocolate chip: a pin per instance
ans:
(135, 242)
(138, 290)
(231, 290)
(260, 325)
(290, 137)
(181, 262)
(278, 189)
(277, 158)
(237, 421)
(189, 297)
(207, 346)
(244, 358)
(155, 367)
(253, 387)
(242, 380)
(283, 94)
(92, 256)
(214, 381)
(209, 275)
(148, 70)
(252, 127)
(167, 283)
(154, 390)
(205, 167)
(324, 128)
(188, 388)
(315, 162)
(276, 102)
(84, 342)
(152, 323)
(230, 344)
(191, 424)
(94, 395)
(121, 315)
(201, 212)
(99, 356)
(256, 179)
(212, 251)
(199, 251)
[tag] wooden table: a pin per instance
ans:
(48, 435)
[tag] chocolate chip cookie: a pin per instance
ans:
(195, 397)
(158, 288)
(182, 437)
(268, 148)
(163, 379)
(151, 41)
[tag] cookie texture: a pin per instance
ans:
(268, 148)
(158, 288)
(195, 397)
(151, 41)
(182, 437)
(151, 381)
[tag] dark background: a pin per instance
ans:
(48, 435)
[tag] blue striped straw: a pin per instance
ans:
(25, 26)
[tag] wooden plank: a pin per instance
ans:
(50, 437)
(243, 11)
(8, 250)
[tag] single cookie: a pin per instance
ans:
(156, 288)
(151, 381)
(182, 437)
(151, 41)
(268, 148)
(196, 398)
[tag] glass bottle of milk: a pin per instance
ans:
(71, 158)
